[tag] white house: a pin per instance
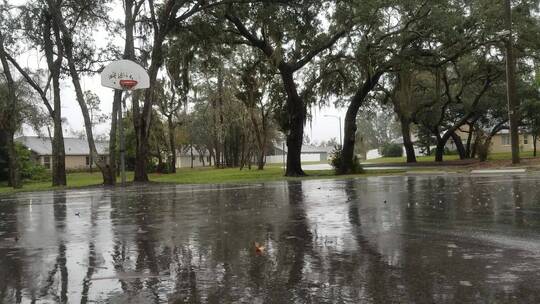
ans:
(77, 151)
(310, 153)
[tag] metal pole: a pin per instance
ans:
(122, 144)
(512, 100)
(340, 138)
(283, 151)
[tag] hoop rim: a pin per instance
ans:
(128, 84)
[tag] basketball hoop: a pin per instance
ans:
(128, 84)
(125, 75)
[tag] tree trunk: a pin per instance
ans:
(160, 160)
(172, 145)
(67, 42)
(117, 106)
(217, 145)
(14, 172)
(260, 159)
(439, 151)
(459, 145)
(260, 136)
(296, 116)
(474, 148)
(407, 142)
(468, 152)
(191, 154)
(12, 120)
(512, 98)
(347, 152)
(58, 150)
(58, 153)
(534, 145)
(143, 120)
(349, 139)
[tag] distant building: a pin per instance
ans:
(278, 154)
(188, 156)
(500, 142)
(418, 150)
(77, 151)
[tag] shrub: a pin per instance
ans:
(30, 170)
(392, 150)
(335, 161)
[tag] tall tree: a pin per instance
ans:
(162, 20)
(290, 39)
(40, 32)
(465, 83)
(84, 16)
(254, 86)
(132, 9)
(10, 121)
(384, 33)
(179, 65)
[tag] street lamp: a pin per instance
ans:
(339, 118)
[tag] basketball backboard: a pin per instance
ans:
(125, 75)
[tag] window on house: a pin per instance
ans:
(88, 160)
(47, 162)
(525, 139)
(505, 139)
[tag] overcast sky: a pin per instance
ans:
(321, 128)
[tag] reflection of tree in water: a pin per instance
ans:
(11, 265)
(91, 248)
(379, 281)
(297, 232)
(60, 213)
(517, 199)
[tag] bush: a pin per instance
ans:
(392, 150)
(335, 161)
(29, 169)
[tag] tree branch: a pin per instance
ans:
(310, 55)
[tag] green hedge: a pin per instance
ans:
(392, 150)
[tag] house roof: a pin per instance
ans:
(72, 146)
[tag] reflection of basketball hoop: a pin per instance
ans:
(128, 84)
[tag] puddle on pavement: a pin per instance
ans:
(443, 239)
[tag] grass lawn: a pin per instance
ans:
(493, 156)
(74, 180)
(508, 155)
(233, 175)
(387, 160)
(195, 176)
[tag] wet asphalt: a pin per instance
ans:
(402, 239)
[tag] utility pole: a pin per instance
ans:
(513, 103)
